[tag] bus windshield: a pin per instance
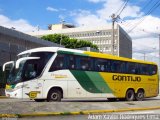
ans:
(15, 74)
(29, 69)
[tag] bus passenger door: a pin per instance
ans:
(32, 87)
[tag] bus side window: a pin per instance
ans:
(144, 69)
(108, 65)
(137, 69)
(85, 63)
(99, 65)
(152, 69)
(58, 63)
(122, 67)
(131, 68)
(71, 62)
(115, 66)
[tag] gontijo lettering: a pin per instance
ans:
(126, 78)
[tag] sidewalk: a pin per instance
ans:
(22, 108)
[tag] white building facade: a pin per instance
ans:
(101, 36)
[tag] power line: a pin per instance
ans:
(125, 4)
(144, 7)
(143, 18)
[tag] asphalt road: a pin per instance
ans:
(30, 106)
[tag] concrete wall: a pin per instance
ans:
(13, 42)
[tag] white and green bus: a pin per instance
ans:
(53, 73)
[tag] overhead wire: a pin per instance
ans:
(157, 4)
(129, 24)
(123, 7)
(149, 12)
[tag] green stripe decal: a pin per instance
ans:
(71, 53)
(85, 81)
(91, 81)
(99, 82)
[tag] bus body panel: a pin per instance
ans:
(80, 83)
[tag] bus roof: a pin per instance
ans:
(83, 53)
(49, 49)
(109, 56)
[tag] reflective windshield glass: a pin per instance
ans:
(34, 68)
(15, 74)
(29, 69)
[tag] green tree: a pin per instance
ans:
(68, 42)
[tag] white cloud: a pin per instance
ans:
(142, 26)
(52, 9)
(20, 24)
(89, 19)
(112, 6)
(142, 36)
(103, 14)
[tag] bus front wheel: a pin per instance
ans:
(139, 95)
(130, 95)
(54, 95)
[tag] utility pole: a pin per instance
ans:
(114, 19)
(144, 57)
(159, 53)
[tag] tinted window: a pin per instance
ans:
(75, 62)
(116, 66)
(131, 68)
(59, 63)
(101, 65)
(152, 69)
(84, 63)
(71, 60)
(144, 69)
(33, 68)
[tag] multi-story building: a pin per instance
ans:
(101, 36)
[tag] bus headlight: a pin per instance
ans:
(18, 87)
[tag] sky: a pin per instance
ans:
(140, 18)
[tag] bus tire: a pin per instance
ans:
(139, 95)
(54, 95)
(130, 95)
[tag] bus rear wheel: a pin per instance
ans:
(130, 95)
(139, 95)
(54, 95)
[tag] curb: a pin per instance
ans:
(4, 97)
(85, 112)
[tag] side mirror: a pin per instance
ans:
(7, 63)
